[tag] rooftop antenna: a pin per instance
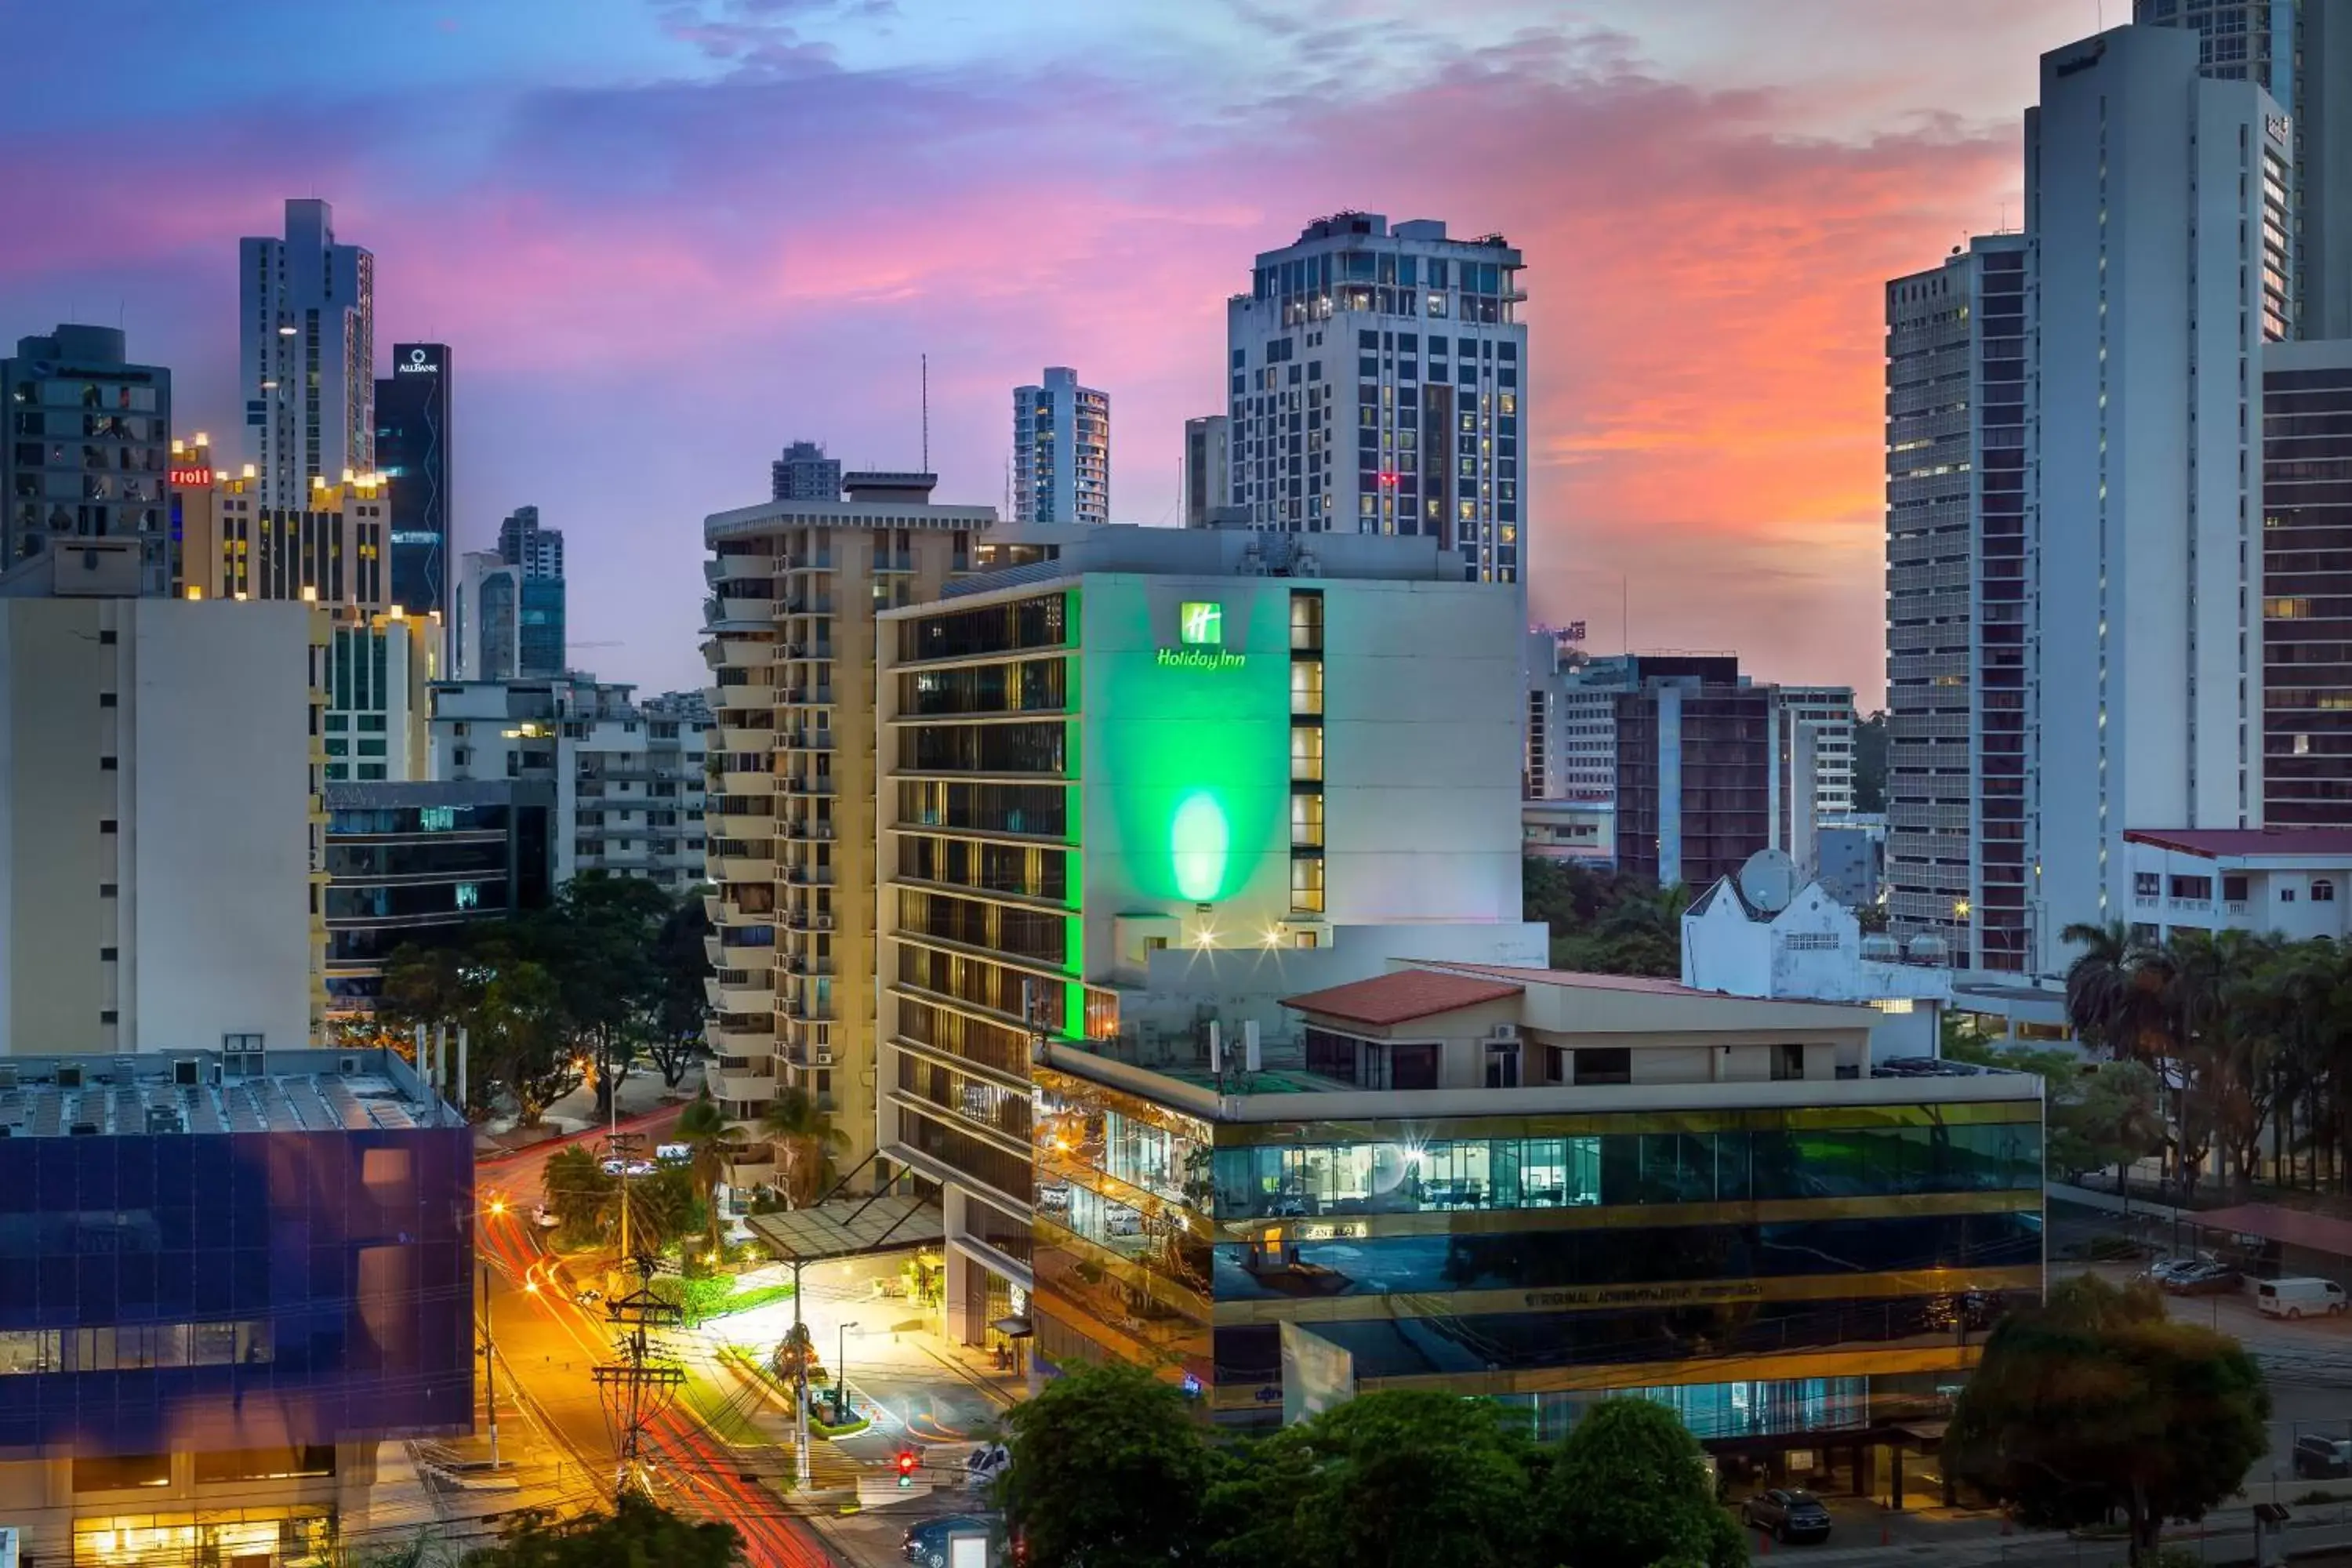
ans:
(927, 413)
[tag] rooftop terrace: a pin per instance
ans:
(207, 1092)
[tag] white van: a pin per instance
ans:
(2298, 1298)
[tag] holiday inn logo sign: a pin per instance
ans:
(1200, 632)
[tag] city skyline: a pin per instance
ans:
(1708, 433)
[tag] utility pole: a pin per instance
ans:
(640, 1386)
(490, 1367)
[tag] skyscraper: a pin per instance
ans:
(2300, 52)
(2307, 521)
(1061, 450)
(540, 619)
(1955, 610)
(307, 331)
(805, 473)
(412, 442)
(1208, 479)
(84, 453)
(2159, 265)
(1430, 327)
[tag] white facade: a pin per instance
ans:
(2295, 881)
(1571, 725)
(1828, 711)
(306, 332)
(1814, 950)
(158, 781)
(1377, 379)
(629, 782)
(1061, 450)
(2156, 203)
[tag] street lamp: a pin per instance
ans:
(840, 1375)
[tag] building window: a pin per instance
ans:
(2323, 892)
(1788, 1062)
(1604, 1064)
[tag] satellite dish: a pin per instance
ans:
(1768, 880)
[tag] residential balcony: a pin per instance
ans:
(751, 1085)
(723, 954)
(747, 737)
(804, 740)
(741, 868)
(758, 699)
(736, 1042)
(805, 696)
(734, 781)
(804, 784)
(740, 825)
(733, 610)
(805, 964)
(809, 876)
(802, 1011)
(746, 991)
(756, 1169)
(806, 830)
(738, 652)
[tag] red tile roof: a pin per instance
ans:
(1402, 995)
(2215, 842)
(1577, 977)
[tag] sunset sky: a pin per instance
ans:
(663, 238)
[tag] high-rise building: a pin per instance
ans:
(791, 635)
(379, 672)
(1208, 482)
(2159, 265)
(307, 365)
(178, 1393)
(1174, 775)
(1697, 782)
(83, 456)
(540, 619)
(626, 780)
(1061, 450)
(1956, 605)
(805, 473)
(228, 543)
(1828, 711)
(2299, 52)
(160, 770)
(1412, 341)
(2307, 584)
(412, 450)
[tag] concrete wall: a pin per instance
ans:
(189, 858)
(2144, 497)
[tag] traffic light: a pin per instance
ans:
(906, 1468)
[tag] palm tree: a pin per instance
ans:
(702, 1127)
(808, 1140)
(2114, 991)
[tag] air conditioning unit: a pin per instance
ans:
(823, 1057)
(184, 1071)
(823, 922)
(1504, 1035)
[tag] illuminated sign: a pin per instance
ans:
(2278, 126)
(192, 479)
(418, 363)
(1200, 658)
(1200, 627)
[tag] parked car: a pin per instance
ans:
(2163, 1269)
(2322, 1459)
(614, 1165)
(2299, 1297)
(927, 1543)
(2208, 1279)
(1789, 1514)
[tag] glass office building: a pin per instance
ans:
(223, 1281)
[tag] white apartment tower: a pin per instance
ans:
(1956, 609)
(1828, 711)
(1375, 376)
(2158, 207)
(307, 364)
(1061, 450)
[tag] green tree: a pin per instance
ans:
(599, 942)
(1399, 1479)
(1628, 1487)
(1870, 764)
(673, 1034)
(577, 1189)
(702, 1128)
(2098, 1403)
(637, 1534)
(806, 1140)
(1108, 1470)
